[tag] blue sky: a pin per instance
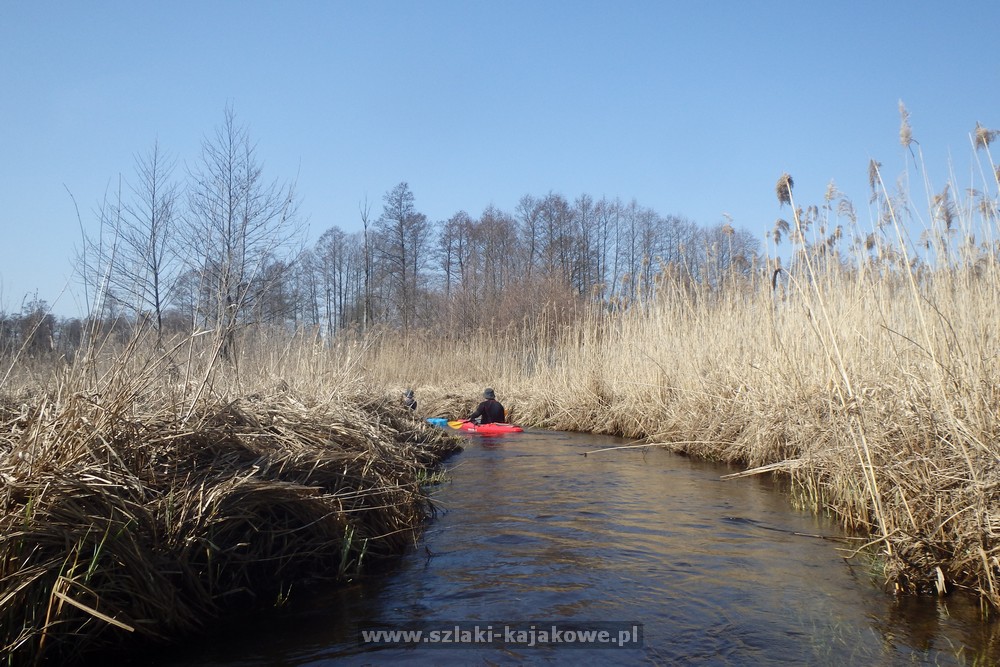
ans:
(692, 109)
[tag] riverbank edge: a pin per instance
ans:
(125, 525)
(813, 450)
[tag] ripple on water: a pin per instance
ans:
(712, 569)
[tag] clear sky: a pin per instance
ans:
(691, 108)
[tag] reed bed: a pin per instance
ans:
(872, 381)
(893, 431)
(137, 506)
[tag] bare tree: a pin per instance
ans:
(37, 327)
(529, 222)
(496, 234)
(639, 250)
(404, 238)
(308, 288)
(584, 272)
(333, 254)
(732, 253)
(365, 209)
(242, 227)
(129, 265)
(275, 300)
(454, 249)
(557, 237)
(607, 214)
(144, 269)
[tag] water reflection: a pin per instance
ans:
(717, 571)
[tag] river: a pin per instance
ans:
(532, 534)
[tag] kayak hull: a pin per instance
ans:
(496, 428)
(438, 421)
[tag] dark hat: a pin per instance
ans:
(489, 393)
(409, 393)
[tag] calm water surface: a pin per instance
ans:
(531, 531)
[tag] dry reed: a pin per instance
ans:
(893, 437)
(873, 383)
(130, 515)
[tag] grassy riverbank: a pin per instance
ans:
(877, 394)
(145, 492)
(142, 497)
(866, 370)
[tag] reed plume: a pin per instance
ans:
(784, 189)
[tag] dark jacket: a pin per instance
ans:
(490, 410)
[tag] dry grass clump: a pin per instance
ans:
(119, 524)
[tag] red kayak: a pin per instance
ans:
(496, 428)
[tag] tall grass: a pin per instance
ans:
(869, 375)
(147, 490)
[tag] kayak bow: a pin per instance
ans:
(495, 428)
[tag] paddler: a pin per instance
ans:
(490, 410)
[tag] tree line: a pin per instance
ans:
(464, 273)
(220, 246)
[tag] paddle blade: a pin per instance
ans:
(457, 423)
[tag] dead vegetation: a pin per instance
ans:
(130, 518)
(868, 375)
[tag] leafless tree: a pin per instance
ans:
(307, 274)
(241, 227)
(129, 264)
(606, 214)
(365, 209)
(497, 238)
(557, 238)
(529, 223)
(341, 268)
(404, 240)
(454, 249)
(145, 267)
(585, 274)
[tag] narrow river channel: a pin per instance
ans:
(532, 533)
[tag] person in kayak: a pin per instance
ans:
(490, 410)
